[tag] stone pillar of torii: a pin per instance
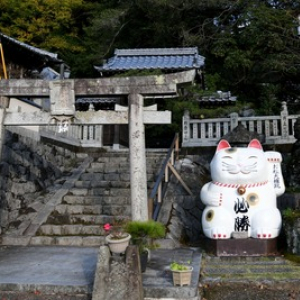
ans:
(62, 95)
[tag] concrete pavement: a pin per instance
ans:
(53, 272)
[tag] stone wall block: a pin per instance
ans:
(116, 210)
(80, 156)
(100, 192)
(91, 230)
(15, 204)
(112, 177)
(23, 187)
(72, 229)
(46, 230)
(57, 230)
(92, 209)
(82, 184)
(4, 218)
(69, 241)
(60, 209)
(100, 184)
(99, 166)
(40, 150)
(42, 240)
(111, 168)
(125, 176)
(60, 151)
(120, 192)
(74, 209)
(79, 192)
(13, 215)
(103, 159)
(96, 176)
(4, 169)
(3, 184)
(91, 176)
(91, 241)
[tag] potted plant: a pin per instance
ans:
(117, 238)
(182, 273)
(143, 234)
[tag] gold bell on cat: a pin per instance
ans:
(241, 190)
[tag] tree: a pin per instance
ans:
(257, 45)
(48, 24)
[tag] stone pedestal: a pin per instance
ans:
(241, 247)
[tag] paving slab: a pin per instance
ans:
(46, 268)
(158, 281)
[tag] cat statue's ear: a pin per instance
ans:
(255, 143)
(223, 144)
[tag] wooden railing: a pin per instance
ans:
(207, 132)
(157, 194)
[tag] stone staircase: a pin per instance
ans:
(99, 194)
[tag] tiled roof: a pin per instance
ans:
(153, 58)
(46, 54)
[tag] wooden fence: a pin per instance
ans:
(207, 132)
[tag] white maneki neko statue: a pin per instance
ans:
(242, 194)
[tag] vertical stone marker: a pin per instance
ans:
(118, 277)
(137, 156)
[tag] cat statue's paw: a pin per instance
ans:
(220, 233)
(264, 233)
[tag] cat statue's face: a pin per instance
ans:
(239, 165)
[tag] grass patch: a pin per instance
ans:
(292, 258)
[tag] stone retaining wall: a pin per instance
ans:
(28, 167)
(292, 233)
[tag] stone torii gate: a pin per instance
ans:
(62, 95)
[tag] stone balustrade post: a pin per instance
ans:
(234, 121)
(284, 120)
(186, 126)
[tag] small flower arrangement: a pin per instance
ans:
(116, 230)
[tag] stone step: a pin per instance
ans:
(119, 168)
(245, 260)
(99, 192)
(109, 192)
(75, 209)
(80, 184)
(102, 184)
(66, 210)
(71, 230)
(114, 211)
(96, 200)
(88, 241)
(244, 271)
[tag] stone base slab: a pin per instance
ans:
(241, 247)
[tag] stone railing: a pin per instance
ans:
(207, 132)
(77, 135)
